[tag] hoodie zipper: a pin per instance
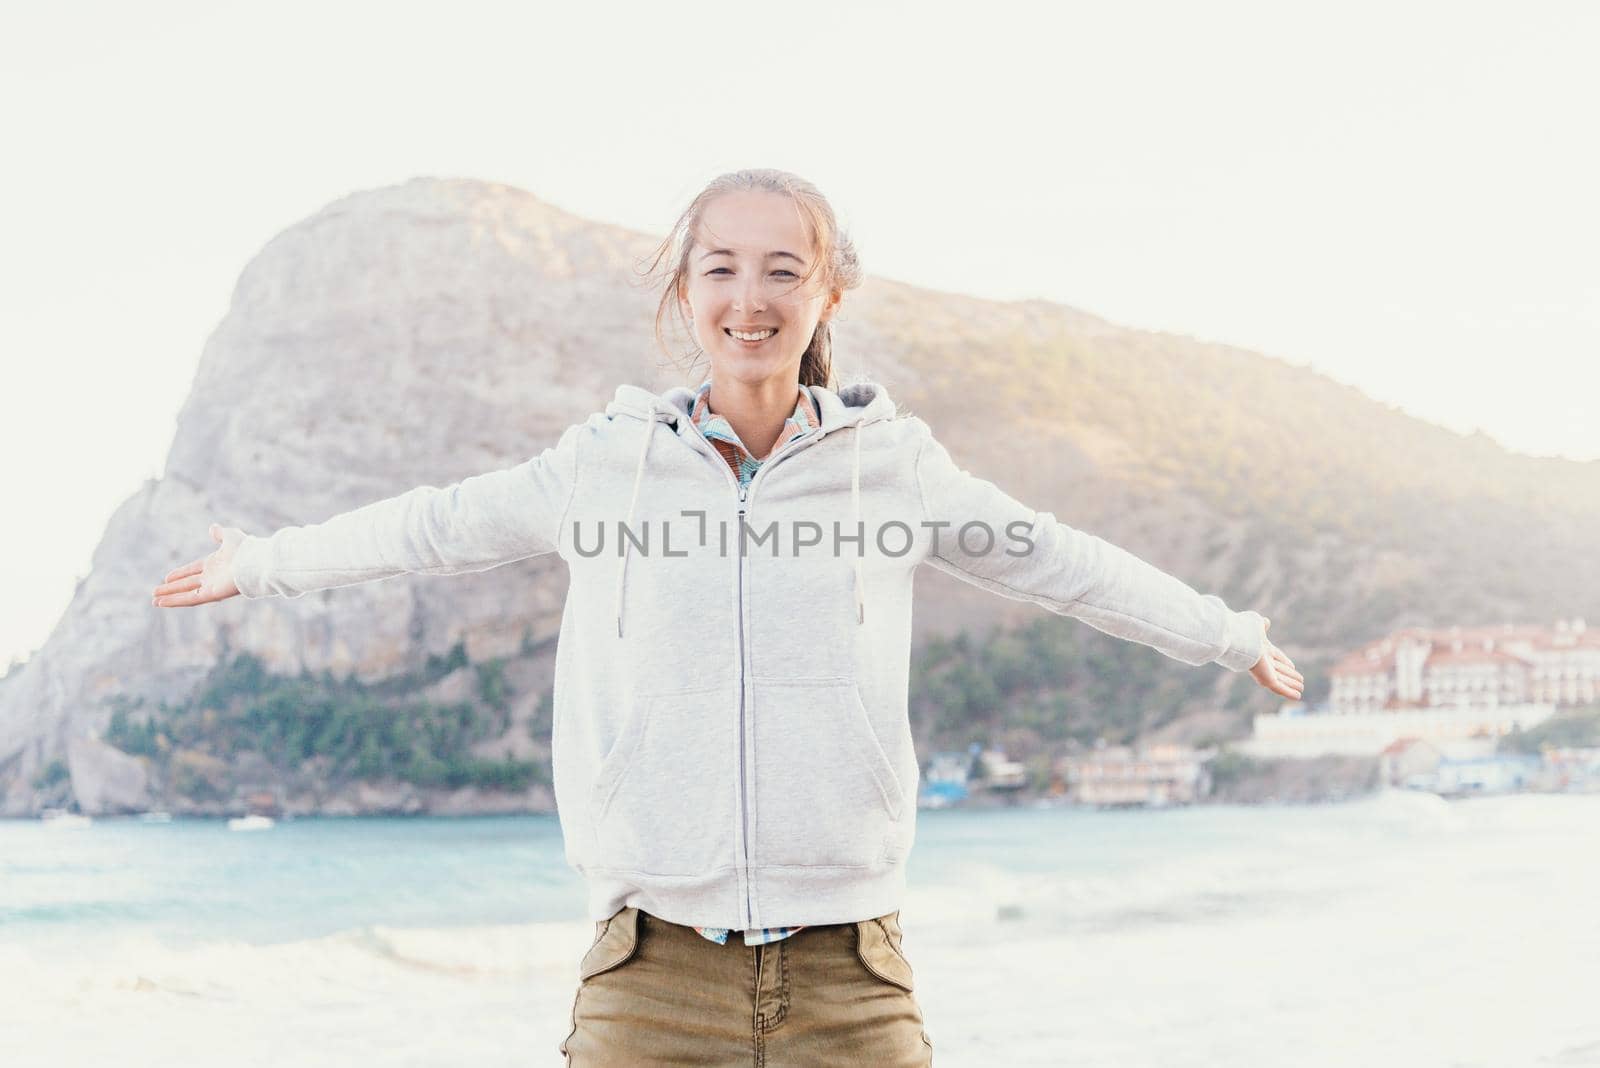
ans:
(744, 805)
(744, 506)
(744, 492)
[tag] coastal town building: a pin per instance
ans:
(1001, 773)
(1408, 762)
(1456, 732)
(1574, 769)
(952, 776)
(944, 781)
(1494, 774)
(1151, 775)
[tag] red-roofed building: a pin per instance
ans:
(1469, 667)
(1460, 688)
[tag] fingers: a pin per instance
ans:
(1282, 678)
(1285, 688)
(1284, 681)
(1281, 659)
(177, 594)
(178, 586)
(193, 567)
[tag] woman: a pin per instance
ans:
(731, 748)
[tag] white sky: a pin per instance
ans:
(1402, 196)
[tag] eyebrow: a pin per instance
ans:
(729, 252)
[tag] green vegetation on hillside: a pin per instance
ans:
(364, 732)
(51, 774)
(1229, 768)
(1576, 727)
(1051, 682)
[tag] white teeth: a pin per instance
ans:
(761, 336)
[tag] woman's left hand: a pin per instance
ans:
(1277, 672)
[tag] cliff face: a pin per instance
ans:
(435, 329)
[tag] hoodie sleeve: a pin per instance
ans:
(478, 523)
(1032, 556)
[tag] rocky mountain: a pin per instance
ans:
(438, 328)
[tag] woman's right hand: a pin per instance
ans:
(1275, 671)
(207, 579)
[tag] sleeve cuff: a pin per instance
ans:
(248, 561)
(1247, 637)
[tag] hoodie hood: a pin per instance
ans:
(851, 407)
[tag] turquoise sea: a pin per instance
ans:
(1399, 929)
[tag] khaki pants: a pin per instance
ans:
(657, 993)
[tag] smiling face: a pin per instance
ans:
(751, 251)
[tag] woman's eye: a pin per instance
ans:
(780, 270)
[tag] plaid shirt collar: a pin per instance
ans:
(721, 434)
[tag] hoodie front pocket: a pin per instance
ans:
(825, 792)
(663, 801)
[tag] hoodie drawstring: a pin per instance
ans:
(638, 479)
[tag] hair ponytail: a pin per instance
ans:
(816, 366)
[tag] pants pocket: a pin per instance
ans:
(826, 793)
(615, 943)
(878, 946)
(663, 801)
(618, 939)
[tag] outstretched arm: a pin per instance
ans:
(1032, 556)
(478, 523)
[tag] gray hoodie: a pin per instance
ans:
(730, 744)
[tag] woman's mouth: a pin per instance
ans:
(751, 338)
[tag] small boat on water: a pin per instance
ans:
(251, 823)
(945, 782)
(155, 817)
(60, 818)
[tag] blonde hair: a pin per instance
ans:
(835, 257)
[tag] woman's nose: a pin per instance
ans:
(749, 299)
